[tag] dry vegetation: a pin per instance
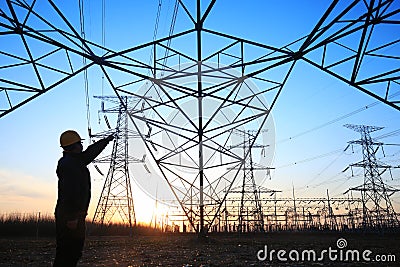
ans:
(148, 248)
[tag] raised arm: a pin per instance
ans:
(95, 149)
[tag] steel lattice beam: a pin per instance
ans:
(219, 84)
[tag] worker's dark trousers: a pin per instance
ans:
(69, 243)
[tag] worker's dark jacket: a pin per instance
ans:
(74, 181)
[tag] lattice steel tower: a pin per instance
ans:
(192, 102)
(377, 210)
(251, 216)
(116, 196)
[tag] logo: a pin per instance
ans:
(335, 254)
(341, 243)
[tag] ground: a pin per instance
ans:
(215, 250)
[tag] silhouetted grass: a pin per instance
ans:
(39, 225)
(119, 229)
(19, 225)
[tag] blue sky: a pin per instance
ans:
(30, 146)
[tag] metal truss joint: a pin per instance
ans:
(297, 55)
(199, 26)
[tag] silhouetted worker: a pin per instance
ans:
(73, 196)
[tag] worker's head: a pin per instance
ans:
(71, 141)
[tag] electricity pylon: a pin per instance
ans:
(182, 104)
(251, 217)
(116, 196)
(377, 210)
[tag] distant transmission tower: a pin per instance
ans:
(377, 210)
(251, 216)
(116, 196)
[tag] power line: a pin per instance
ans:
(393, 133)
(157, 19)
(342, 118)
(331, 122)
(103, 40)
(85, 72)
(330, 180)
(396, 132)
(324, 169)
(103, 23)
(312, 158)
(155, 32)
(353, 175)
(171, 31)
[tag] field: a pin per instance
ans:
(214, 250)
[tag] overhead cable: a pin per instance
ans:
(85, 72)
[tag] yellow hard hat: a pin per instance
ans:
(69, 137)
